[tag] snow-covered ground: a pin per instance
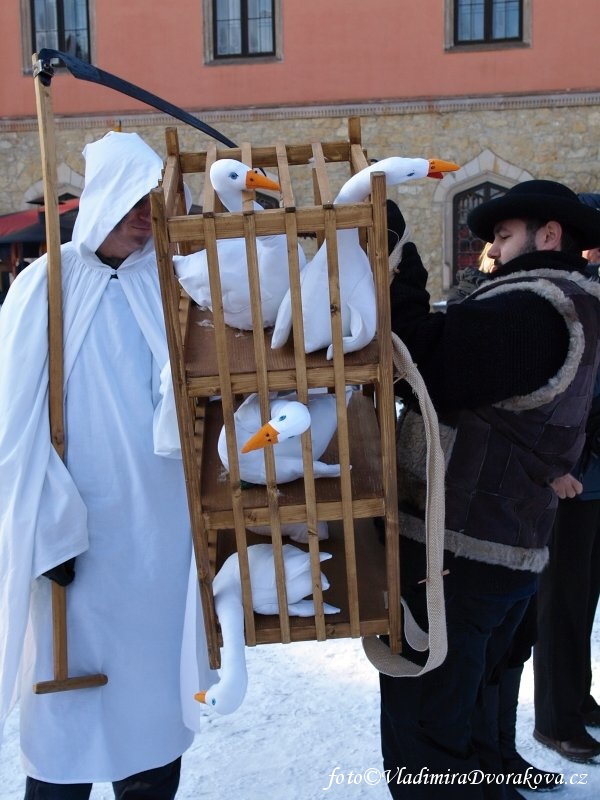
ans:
(308, 729)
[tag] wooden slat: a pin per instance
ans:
(358, 159)
(354, 131)
(263, 392)
(302, 388)
(265, 157)
(285, 179)
(210, 201)
(172, 182)
(269, 222)
(185, 417)
(339, 372)
(227, 402)
(284, 373)
(386, 404)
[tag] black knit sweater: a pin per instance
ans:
(481, 352)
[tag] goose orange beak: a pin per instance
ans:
(266, 435)
(200, 697)
(256, 180)
(437, 167)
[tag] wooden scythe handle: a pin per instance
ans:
(45, 115)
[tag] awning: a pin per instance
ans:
(30, 225)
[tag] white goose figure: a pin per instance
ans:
(230, 178)
(227, 695)
(357, 290)
(289, 419)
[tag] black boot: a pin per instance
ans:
(526, 775)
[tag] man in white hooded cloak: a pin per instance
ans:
(115, 504)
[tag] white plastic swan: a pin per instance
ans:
(289, 419)
(227, 695)
(357, 290)
(230, 178)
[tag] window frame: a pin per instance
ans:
(28, 44)
(210, 56)
(488, 190)
(451, 29)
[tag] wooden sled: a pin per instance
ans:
(208, 358)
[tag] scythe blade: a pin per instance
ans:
(89, 72)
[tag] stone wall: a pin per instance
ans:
(505, 139)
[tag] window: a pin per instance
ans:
(487, 21)
(467, 246)
(243, 28)
(485, 24)
(60, 25)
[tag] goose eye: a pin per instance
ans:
(213, 702)
(234, 176)
(281, 418)
(410, 174)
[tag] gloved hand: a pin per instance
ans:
(62, 574)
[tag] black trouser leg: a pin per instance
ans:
(489, 709)
(40, 790)
(509, 686)
(567, 598)
(152, 784)
(426, 722)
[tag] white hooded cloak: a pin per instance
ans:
(114, 503)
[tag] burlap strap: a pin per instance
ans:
(375, 649)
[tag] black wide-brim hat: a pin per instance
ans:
(539, 199)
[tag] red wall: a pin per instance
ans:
(333, 51)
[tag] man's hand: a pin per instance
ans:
(567, 486)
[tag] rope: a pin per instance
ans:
(436, 641)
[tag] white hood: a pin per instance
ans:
(120, 169)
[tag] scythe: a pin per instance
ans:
(88, 72)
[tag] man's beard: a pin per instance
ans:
(529, 246)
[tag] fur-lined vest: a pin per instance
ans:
(500, 459)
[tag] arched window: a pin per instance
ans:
(467, 246)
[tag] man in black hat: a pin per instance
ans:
(510, 370)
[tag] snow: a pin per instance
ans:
(310, 708)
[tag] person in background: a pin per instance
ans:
(115, 508)
(510, 371)
(470, 278)
(592, 255)
(568, 596)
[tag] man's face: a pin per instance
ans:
(512, 239)
(131, 233)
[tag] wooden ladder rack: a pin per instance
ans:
(210, 359)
